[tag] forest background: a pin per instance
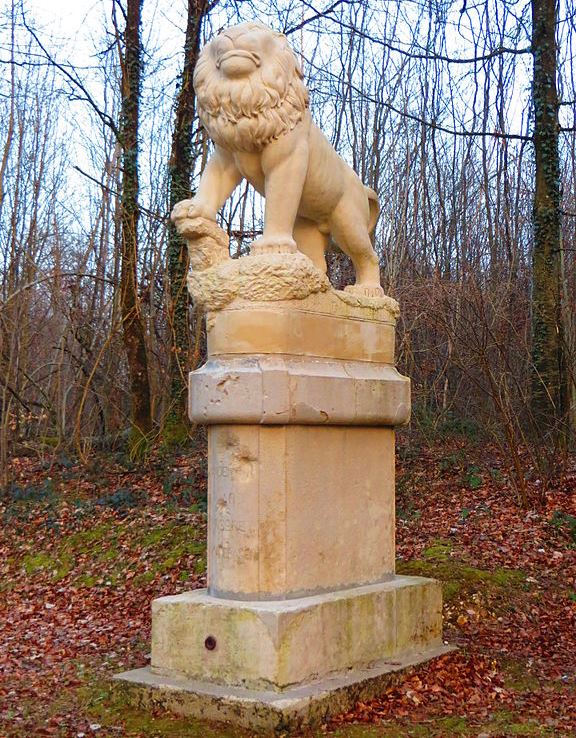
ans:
(461, 115)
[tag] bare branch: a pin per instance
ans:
(74, 81)
(410, 54)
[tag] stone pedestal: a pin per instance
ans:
(303, 614)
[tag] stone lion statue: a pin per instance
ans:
(254, 105)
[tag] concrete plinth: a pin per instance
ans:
(303, 613)
(280, 643)
(267, 711)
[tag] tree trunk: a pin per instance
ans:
(549, 375)
(132, 322)
(180, 165)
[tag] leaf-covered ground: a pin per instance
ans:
(84, 549)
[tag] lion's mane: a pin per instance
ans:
(246, 114)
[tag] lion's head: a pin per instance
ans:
(249, 87)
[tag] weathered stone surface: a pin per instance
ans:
(315, 361)
(290, 513)
(208, 244)
(268, 712)
(216, 281)
(330, 325)
(280, 643)
(282, 390)
(269, 277)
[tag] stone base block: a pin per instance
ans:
(267, 711)
(274, 645)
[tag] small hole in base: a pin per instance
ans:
(210, 643)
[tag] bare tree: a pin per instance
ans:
(128, 134)
(180, 171)
(549, 379)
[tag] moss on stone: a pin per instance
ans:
(110, 707)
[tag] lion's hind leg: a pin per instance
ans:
(349, 228)
(311, 241)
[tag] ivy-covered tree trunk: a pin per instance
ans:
(132, 322)
(175, 428)
(549, 378)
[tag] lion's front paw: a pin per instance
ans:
(190, 209)
(365, 290)
(273, 245)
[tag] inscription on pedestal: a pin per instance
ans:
(227, 524)
(232, 471)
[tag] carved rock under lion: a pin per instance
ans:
(254, 104)
(216, 280)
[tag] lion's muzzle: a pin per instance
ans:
(236, 58)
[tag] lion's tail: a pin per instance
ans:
(374, 208)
